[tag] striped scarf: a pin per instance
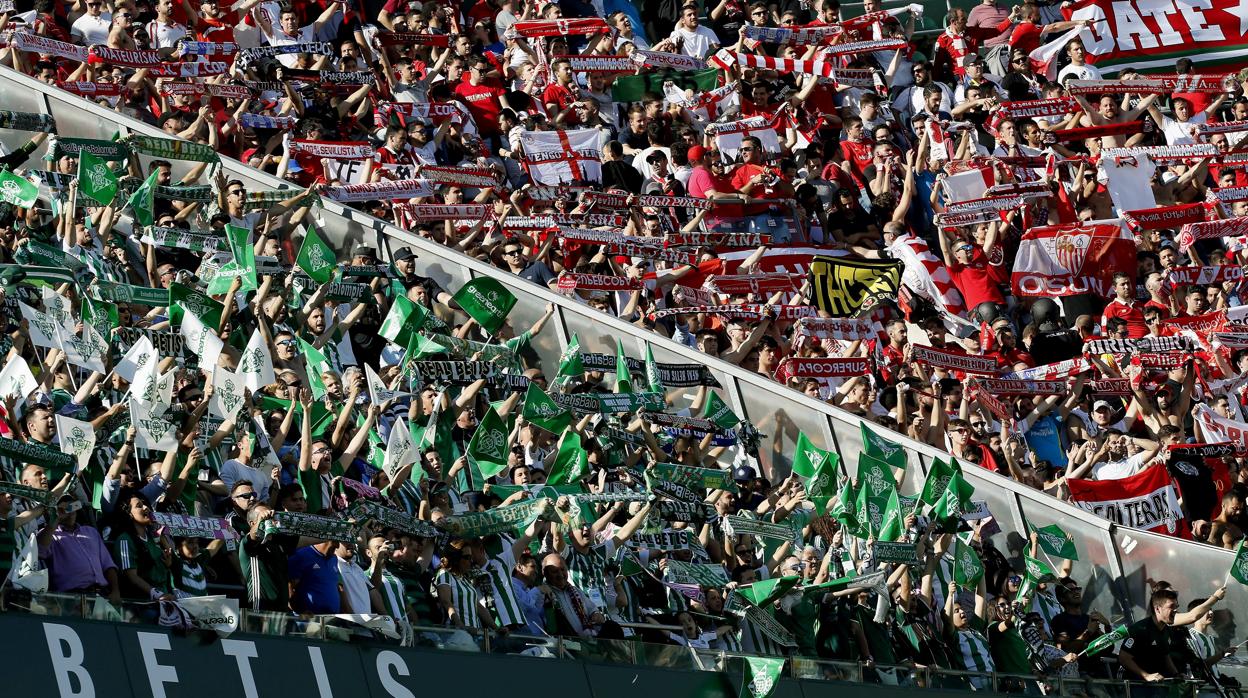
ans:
(249, 120)
(338, 150)
(248, 56)
(206, 48)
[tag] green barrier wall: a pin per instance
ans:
(47, 656)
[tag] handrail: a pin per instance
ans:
(743, 389)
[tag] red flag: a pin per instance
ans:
(1146, 500)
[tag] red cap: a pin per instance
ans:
(697, 152)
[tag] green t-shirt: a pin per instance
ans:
(144, 556)
(1009, 650)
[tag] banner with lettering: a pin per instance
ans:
(1146, 500)
(1134, 34)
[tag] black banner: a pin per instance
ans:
(672, 375)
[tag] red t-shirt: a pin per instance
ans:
(1161, 307)
(1026, 36)
(858, 155)
(483, 103)
(562, 98)
(1133, 313)
(978, 280)
(742, 176)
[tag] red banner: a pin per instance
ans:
(569, 282)
(821, 368)
(1184, 276)
(1136, 34)
(997, 386)
(1067, 260)
(1146, 500)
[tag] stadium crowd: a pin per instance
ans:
(985, 247)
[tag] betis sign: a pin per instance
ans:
(1144, 35)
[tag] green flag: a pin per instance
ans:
(142, 200)
(889, 452)
(891, 525)
(570, 363)
(1105, 641)
(623, 378)
(544, 412)
(488, 446)
(487, 301)
(967, 568)
(846, 508)
(316, 257)
(244, 255)
(184, 297)
(878, 486)
(633, 88)
(652, 372)
(821, 487)
(96, 180)
(937, 480)
(1038, 570)
(1056, 542)
(955, 502)
(17, 190)
(571, 462)
(1239, 568)
(719, 412)
(316, 363)
(807, 458)
(767, 591)
(400, 322)
(762, 674)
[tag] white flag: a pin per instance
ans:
(201, 340)
(227, 393)
(140, 354)
(400, 451)
(56, 307)
(43, 329)
(560, 157)
(212, 612)
(16, 379)
(86, 350)
(27, 573)
(150, 431)
(77, 439)
(256, 365)
(377, 390)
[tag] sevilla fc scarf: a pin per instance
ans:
(943, 358)
(558, 27)
(570, 282)
(332, 149)
(821, 368)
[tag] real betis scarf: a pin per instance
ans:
(193, 240)
(362, 510)
(500, 520)
(171, 149)
(35, 495)
(31, 251)
(126, 293)
(743, 525)
(195, 193)
(610, 403)
(311, 526)
(183, 526)
(61, 146)
(697, 478)
(35, 453)
(26, 121)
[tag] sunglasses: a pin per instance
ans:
(246, 495)
(746, 148)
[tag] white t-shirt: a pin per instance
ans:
(696, 43)
(355, 582)
(92, 30)
(281, 38)
(1078, 72)
(1117, 470)
(1180, 132)
(164, 35)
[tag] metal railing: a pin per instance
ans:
(1114, 561)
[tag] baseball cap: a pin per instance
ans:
(697, 152)
(1101, 404)
(404, 253)
(365, 251)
